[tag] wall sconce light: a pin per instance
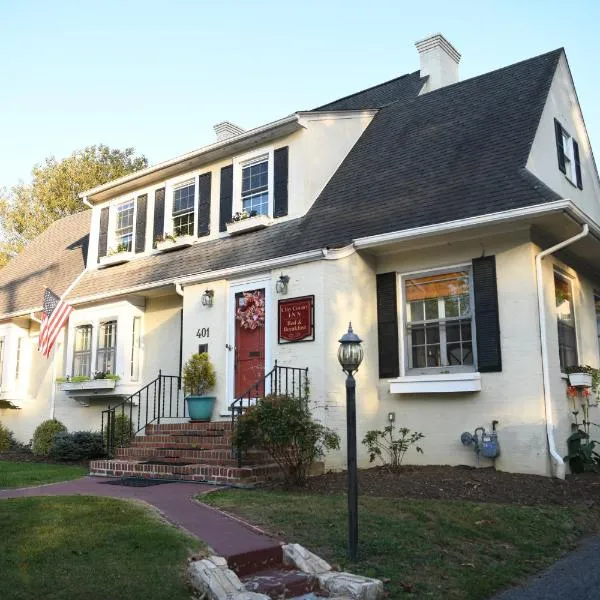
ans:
(281, 287)
(391, 417)
(207, 298)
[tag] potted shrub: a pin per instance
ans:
(199, 378)
(580, 376)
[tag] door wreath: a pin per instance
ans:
(252, 313)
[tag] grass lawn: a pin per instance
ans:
(426, 548)
(23, 474)
(60, 548)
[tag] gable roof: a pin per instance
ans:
(54, 259)
(457, 152)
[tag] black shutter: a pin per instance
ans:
(560, 149)
(204, 204)
(387, 325)
(159, 213)
(140, 223)
(226, 197)
(103, 234)
(577, 165)
(487, 322)
(280, 193)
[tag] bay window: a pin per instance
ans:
(82, 351)
(439, 321)
(107, 347)
(565, 317)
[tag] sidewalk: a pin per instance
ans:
(226, 536)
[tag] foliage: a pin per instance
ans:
(383, 444)
(66, 548)
(17, 474)
(122, 430)
(582, 454)
(283, 426)
(77, 445)
(434, 549)
(106, 375)
(29, 208)
(7, 439)
(242, 216)
(199, 376)
(595, 373)
(43, 434)
(122, 247)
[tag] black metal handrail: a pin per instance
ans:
(159, 399)
(288, 381)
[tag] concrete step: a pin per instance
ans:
(209, 473)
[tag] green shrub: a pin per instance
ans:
(43, 434)
(77, 445)
(7, 438)
(283, 427)
(199, 375)
(389, 449)
(122, 430)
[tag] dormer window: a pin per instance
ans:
(568, 155)
(255, 186)
(183, 208)
(124, 226)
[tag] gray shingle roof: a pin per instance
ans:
(454, 153)
(54, 259)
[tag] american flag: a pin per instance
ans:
(55, 313)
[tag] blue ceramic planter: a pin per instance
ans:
(200, 408)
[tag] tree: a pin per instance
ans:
(29, 208)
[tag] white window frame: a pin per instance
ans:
(135, 355)
(187, 181)
(569, 156)
(118, 235)
(112, 222)
(19, 359)
(558, 272)
(244, 160)
(404, 337)
(91, 362)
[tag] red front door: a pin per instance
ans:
(249, 342)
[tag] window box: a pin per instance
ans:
(250, 224)
(115, 259)
(91, 385)
(170, 244)
(580, 379)
(440, 383)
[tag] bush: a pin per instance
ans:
(199, 376)
(78, 445)
(43, 434)
(283, 427)
(391, 450)
(122, 430)
(7, 438)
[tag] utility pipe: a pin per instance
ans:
(559, 463)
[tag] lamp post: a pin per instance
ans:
(350, 355)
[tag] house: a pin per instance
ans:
(425, 210)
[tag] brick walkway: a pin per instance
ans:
(226, 536)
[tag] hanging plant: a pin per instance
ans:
(252, 313)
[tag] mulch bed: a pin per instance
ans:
(30, 457)
(465, 483)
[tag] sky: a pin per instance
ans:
(157, 75)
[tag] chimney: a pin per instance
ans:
(226, 130)
(439, 61)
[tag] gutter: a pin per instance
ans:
(559, 464)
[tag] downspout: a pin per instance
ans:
(559, 464)
(179, 290)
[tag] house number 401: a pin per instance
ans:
(203, 333)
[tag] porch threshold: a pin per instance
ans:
(440, 383)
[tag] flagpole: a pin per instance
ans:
(53, 394)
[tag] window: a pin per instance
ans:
(439, 320)
(255, 186)
(135, 349)
(565, 316)
(107, 347)
(124, 229)
(183, 209)
(568, 155)
(19, 359)
(1, 360)
(82, 351)
(597, 307)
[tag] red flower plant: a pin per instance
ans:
(572, 392)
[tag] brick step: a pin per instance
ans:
(187, 445)
(279, 581)
(208, 473)
(208, 455)
(185, 438)
(190, 426)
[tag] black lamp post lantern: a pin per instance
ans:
(350, 355)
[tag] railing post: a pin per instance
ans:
(276, 380)
(159, 393)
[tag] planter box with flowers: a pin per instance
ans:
(169, 242)
(580, 376)
(116, 256)
(242, 222)
(100, 382)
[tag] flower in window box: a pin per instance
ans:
(122, 247)
(243, 215)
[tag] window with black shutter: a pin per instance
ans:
(159, 214)
(140, 223)
(280, 182)
(226, 197)
(387, 326)
(103, 232)
(567, 150)
(204, 188)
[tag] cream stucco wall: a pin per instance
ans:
(562, 104)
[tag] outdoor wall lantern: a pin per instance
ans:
(281, 287)
(207, 298)
(350, 355)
